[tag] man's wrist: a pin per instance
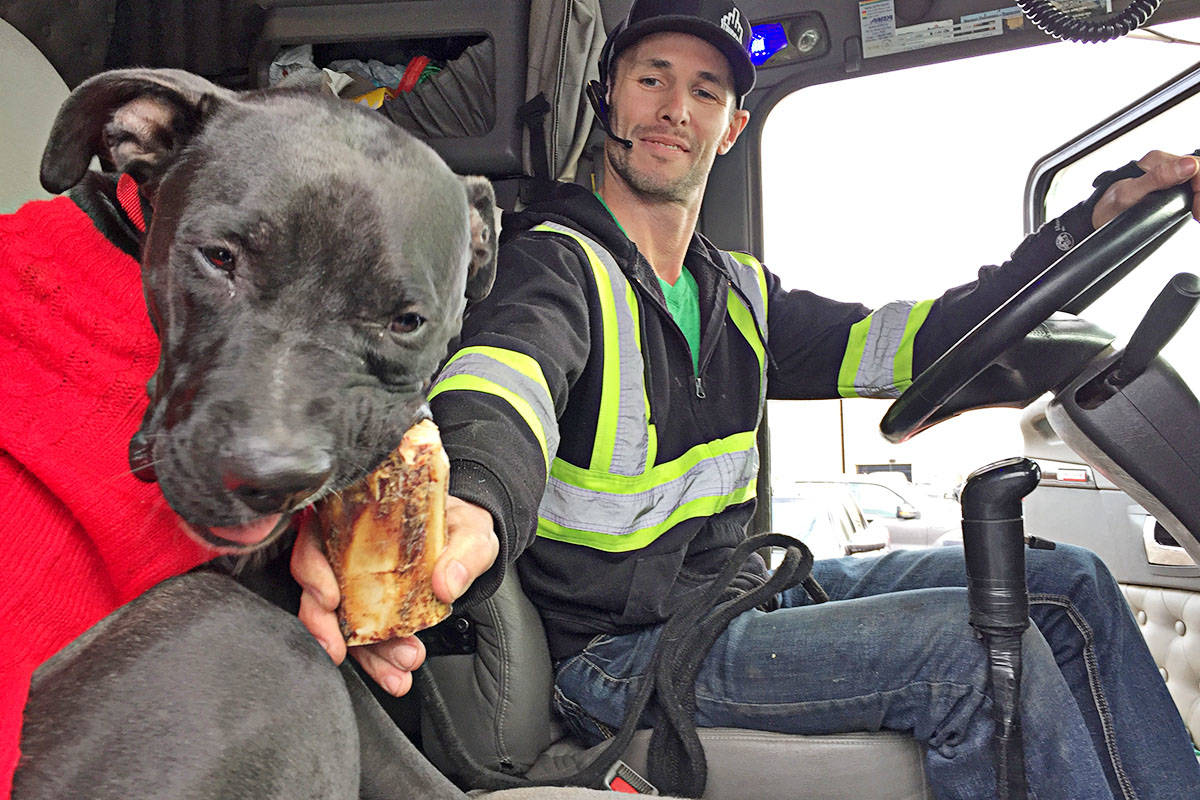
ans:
(476, 484)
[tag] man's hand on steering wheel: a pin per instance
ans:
(1165, 193)
(1163, 170)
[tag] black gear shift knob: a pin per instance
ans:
(995, 491)
(994, 544)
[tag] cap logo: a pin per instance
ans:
(731, 23)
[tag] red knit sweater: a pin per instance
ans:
(79, 534)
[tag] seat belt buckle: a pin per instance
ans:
(622, 778)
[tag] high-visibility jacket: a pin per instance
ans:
(621, 474)
(623, 497)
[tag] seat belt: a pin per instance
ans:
(676, 757)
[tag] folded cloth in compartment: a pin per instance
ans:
(459, 100)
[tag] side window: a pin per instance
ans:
(899, 186)
(1121, 310)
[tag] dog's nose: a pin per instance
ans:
(276, 482)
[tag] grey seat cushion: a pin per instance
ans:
(851, 766)
(499, 699)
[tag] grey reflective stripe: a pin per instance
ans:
(477, 363)
(630, 444)
(749, 281)
(876, 375)
(712, 479)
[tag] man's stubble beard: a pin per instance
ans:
(678, 190)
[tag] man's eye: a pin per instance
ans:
(219, 257)
(650, 81)
(406, 323)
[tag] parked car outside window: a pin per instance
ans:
(912, 517)
(828, 519)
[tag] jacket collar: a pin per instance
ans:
(576, 207)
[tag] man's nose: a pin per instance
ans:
(675, 107)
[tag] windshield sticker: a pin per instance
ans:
(881, 37)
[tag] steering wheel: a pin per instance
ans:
(1101, 253)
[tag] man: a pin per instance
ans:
(600, 422)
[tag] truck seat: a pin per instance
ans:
(499, 697)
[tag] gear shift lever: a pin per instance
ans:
(994, 547)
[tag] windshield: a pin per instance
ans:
(899, 186)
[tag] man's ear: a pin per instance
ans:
(737, 124)
(135, 120)
(484, 236)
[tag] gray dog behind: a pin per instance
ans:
(306, 266)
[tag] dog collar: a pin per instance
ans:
(131, 201)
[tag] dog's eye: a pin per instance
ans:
(406, 323)
(219, 257)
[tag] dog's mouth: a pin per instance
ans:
(243, 538)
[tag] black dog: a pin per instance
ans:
(306, 265)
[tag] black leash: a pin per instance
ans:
(676, 758)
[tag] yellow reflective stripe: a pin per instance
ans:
(525, 364)
(745, 323)
(610, 394)
(473, 383)
(903, 369)
(651, 440)
(855, 345)
(759, 273)
(700, 507)
(657, 475)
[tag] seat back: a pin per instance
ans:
(499, 695)
(30, 93)
(499, 699)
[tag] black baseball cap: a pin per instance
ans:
(718, 22)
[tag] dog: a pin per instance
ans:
(306, 265)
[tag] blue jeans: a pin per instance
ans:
(894, 651)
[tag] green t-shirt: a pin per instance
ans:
(683, 301)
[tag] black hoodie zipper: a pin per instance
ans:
(655, 293)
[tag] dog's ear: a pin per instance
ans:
(135, 120)
(484, 236)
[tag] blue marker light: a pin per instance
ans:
(766, 40)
